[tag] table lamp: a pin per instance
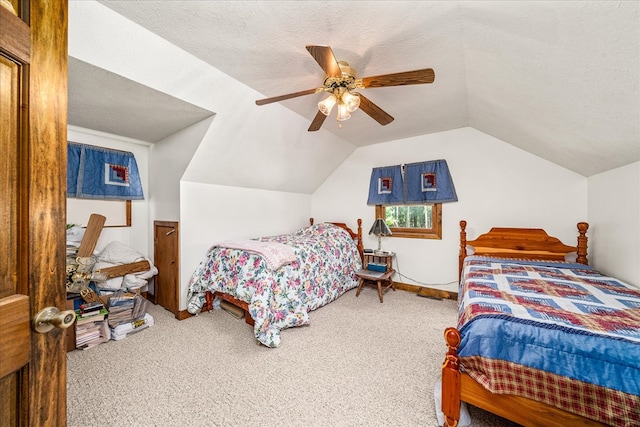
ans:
(380, 228)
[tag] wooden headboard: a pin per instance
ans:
(524, 243)
(357, 236)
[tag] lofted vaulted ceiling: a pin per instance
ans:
(557, 79)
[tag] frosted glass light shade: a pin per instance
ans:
(343, 112)
(352, 101)
(327, 104)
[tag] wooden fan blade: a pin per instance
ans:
(325, 58)
(317, 122)
(121, 270)
(288, 96)
(377, 113)
(91, 235)
(416, 77)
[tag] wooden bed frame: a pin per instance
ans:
(210, 296)
(529, 243)
(457, 386)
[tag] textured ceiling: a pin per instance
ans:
(104, 101)
(558, 79)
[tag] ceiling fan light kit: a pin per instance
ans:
(326, 105)
(341, 80)
(347, 103)
(351, 100)
(343, 114)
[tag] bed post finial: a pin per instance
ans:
(463, 247)
(582, 243)
(311, 220)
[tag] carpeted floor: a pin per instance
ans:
(358, 363)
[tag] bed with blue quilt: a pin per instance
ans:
(542, 339)
(277, 280)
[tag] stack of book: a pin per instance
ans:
(89, 309)
(128, 314)
(121, 307)
(91, 327)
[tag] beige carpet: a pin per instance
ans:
(358, 363)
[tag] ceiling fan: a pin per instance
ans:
(80, 269)
(341, 81)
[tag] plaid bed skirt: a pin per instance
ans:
(602, 404)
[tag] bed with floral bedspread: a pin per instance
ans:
(281, 295)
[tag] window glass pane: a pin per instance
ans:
(408, 216)
(414, 221)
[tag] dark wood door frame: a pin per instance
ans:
(34, 139)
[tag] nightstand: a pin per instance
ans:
(383, 279)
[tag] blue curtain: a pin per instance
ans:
(429, 182)
(102, 173)
(385, 187)
(412, 183)
(73, 166)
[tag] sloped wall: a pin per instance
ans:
(170, 158)
(246, 145)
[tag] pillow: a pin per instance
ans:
(571, 257)
(119, 253)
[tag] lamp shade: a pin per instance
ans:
(326, 105)
(352, 101)
(380, 228)
(343, 112)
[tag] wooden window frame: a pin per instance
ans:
(417, 233)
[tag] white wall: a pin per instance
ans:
(169, 159)
(139, 235)
(211, 213)
(614, 217)
(496, 183)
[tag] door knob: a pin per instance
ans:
(50, 317)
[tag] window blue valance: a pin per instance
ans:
(102, 173)
(385, 187)
(412, 183)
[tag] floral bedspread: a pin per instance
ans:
(327, 261)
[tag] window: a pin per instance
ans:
(416, 221)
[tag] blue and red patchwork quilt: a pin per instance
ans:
(560, 320)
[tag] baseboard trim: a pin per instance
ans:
(183, 314)
(425, 291)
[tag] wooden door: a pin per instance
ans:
(33, 133)
(165, 258)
